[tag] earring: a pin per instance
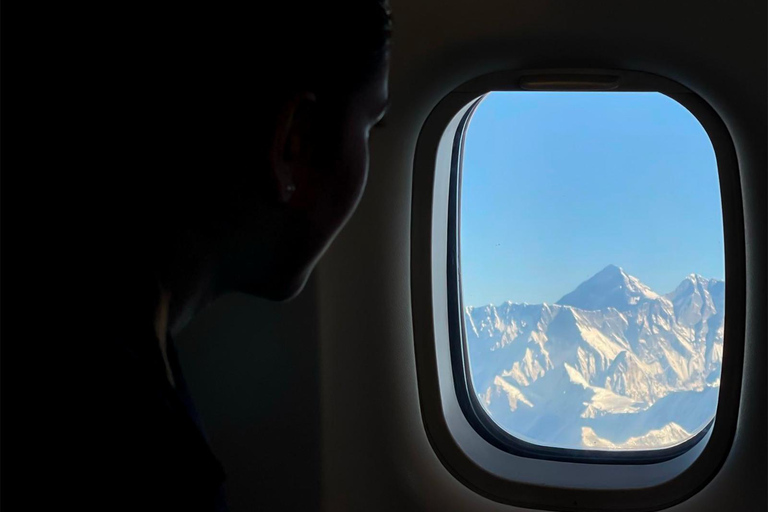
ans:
(288, 191)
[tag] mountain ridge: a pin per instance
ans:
(610, 347)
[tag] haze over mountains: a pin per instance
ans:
(612, 365)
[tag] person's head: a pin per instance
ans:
(258, 121)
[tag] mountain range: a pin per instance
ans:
(612, 365)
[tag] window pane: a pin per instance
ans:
(592, 268)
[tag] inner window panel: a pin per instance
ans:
(591, 268)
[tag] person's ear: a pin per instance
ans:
(292, 143)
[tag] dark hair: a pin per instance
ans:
(192, 93)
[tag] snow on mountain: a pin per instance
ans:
(609, 288)
(691, 409)
(610, 350)
(629, 376)
(513, 394)
(669, 435)
(699, 307)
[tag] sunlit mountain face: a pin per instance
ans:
(612, 365)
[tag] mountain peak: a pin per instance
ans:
(609, 288)
(696, 278)
(694, 283)
(697, 298)
(611, 270)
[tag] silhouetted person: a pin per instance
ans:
(235, 143)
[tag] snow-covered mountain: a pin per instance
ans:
(611, 365)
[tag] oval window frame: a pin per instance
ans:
(517, 472)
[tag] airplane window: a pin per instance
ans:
(591, 269)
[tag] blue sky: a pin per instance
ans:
(558, 185)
